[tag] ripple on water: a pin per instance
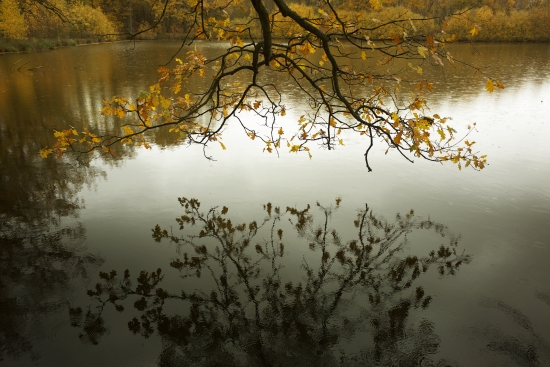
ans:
(540, 208)
(56, 328)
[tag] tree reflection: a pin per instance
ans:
(351, 302)
(515, 338)
(39, 258)
(36, 273)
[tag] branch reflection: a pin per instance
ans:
(350, 302)
(36, 279)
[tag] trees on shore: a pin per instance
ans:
(499, 20)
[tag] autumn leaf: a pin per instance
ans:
(423, 51)
(127, 130)
(222, 145)
(397, 139)
(165, 103)
(489, 86)
(44, 153)
(280, 131)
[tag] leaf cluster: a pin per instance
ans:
(340, 72)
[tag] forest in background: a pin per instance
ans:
(104, 20)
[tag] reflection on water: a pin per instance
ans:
(355, 299)
(37, 274)
(495, 312)
(524, 346)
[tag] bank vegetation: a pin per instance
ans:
(39, 24)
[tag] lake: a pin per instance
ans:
(348, 286)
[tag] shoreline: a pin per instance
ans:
(45, 44)
(42, 45)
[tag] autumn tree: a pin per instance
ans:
(339, 62)
(12, 22)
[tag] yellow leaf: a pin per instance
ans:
(441, 134)
(500, 85)
(280, 132)
(397, 138)
(127, 130)
(489, 86)
(419, 70)
(363, 55)
(283, 111)
(44, 153)
(423, 51)
(165, 103)
(475, 30)
(223, 146)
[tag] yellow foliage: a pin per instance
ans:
(87, 21)
(12, 23)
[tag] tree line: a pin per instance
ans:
(481, 20)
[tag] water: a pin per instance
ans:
(63, 224)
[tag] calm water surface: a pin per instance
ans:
(312, 302)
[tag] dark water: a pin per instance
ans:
(349, 285)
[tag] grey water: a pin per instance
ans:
(66, 226)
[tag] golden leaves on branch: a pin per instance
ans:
(199, 116)
(490, 85)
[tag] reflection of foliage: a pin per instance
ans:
(36, 271)
(523, 345)
(258, 313)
